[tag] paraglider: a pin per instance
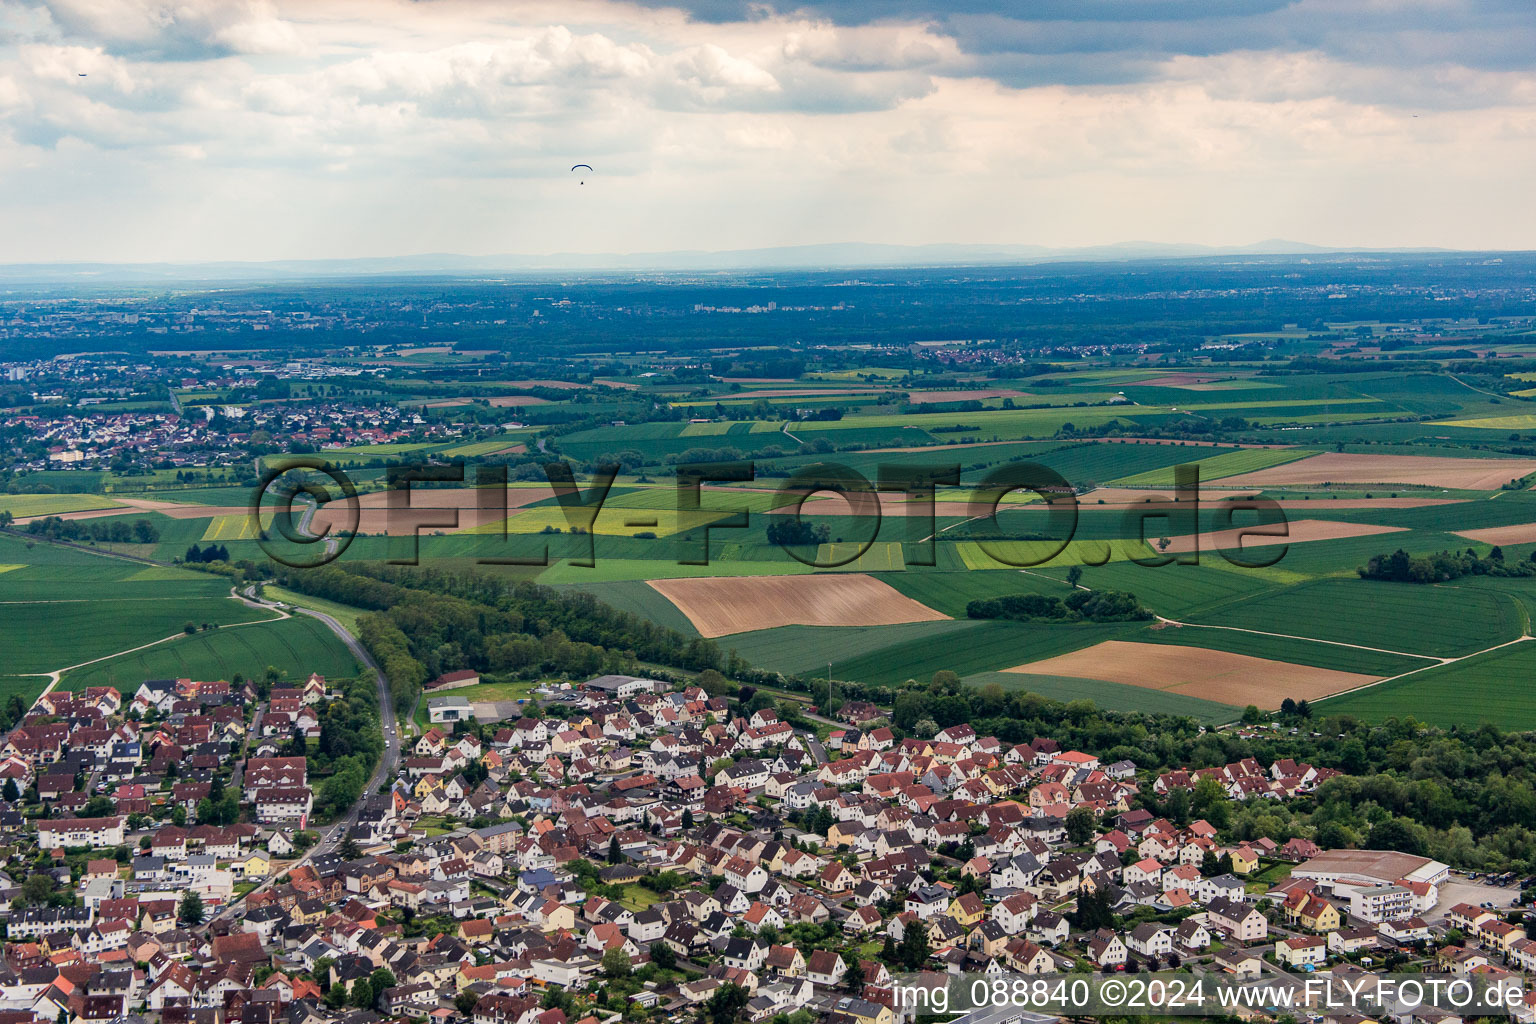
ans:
(579, 166)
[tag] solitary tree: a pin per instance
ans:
(616, 963)
(1080, 825)
(191, 909)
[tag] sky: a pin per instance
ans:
(192, 130)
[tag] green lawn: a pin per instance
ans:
(638, 897)
(521, 689)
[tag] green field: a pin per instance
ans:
(976, 646)
(65, 606)
(20, 505)
(25, 687)
(45, 636)
(1248, 460)
(1470, 692)
(295, 647)
(1300, 652)
(808, 649)
(949, 592)
(638, 598)
(1404, 617)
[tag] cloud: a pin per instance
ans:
(175, 29)
(449, 124)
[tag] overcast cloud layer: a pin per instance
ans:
(254, 129)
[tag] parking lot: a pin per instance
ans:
(1460, 889)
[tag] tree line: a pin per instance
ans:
(428, 622)
(1443, 566)
(1078, 606)
(108, 531)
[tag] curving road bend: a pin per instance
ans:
(331, 837)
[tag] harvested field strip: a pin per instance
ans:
(1428, 471)
(1524, 533)
(1110, 696)
(885, 556)
(1524, 422)
(232, 528)
(1203, 673)
(722, 605)
(1299, 532)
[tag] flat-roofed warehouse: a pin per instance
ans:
(1372, 867)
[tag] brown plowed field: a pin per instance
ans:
(1196, 672)
(1301, 531)
(1521, 533)
(1420, 470)
(735, 604)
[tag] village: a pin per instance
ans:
(629, 847)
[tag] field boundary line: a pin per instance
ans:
(1332, 643)
(1426, 668)
(57, 675)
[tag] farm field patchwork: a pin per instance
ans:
(1277, 648)
(723, 605)
(1219, 676)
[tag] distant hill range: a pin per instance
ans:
(850, 255)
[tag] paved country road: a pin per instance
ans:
(331, 837)
(390, 759)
